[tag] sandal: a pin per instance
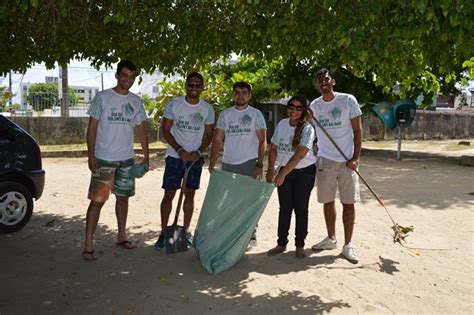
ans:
(126, 244)
(88, 255)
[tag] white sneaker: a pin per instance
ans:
(349, 252)
(326, 243)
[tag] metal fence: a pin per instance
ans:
(48, 104)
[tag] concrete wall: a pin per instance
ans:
(63, 130)
(427, 125)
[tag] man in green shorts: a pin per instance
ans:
(113, 115)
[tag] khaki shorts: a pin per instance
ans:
(112, 176)
(332, 176)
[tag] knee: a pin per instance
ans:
(122, 200)
(169, 195)
(96, 206)
(189, 195)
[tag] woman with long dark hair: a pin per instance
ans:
(291, 152)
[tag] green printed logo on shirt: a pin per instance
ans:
(285, 147)
(197, 119)
(243, 127)
(245, 120)
(336, 113)
(193, 124)
(127, 108)
(122, 117)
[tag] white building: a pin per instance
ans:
(85, 93)
(149, 81)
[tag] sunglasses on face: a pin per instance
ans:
(298, 108)
(194, 85)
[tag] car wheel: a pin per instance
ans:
(16, 206)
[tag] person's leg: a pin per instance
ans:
(124, 188)
(121, 212)
(303, 184)
(330, 219)
(326, 179)
(348, 218)
(193, 183)
(166, 207)
(286, 201)
(349, 194)
(92, 218)
(99, 190)
(172, 177)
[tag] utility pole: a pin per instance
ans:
(10, 89)
(102, 80)
(64, 91)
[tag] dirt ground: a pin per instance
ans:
(43, 272)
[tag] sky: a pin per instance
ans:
(80, 73)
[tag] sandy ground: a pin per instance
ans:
(42, 271)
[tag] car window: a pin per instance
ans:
(6, 136)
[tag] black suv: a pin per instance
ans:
(21, 176)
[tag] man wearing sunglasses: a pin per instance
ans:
(340, 116)
(243, 131)
(188, 124)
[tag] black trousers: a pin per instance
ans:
(294, 194)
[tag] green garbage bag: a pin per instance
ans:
(231, 210)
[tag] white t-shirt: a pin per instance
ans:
(240, 128)
(117, 115)
(335, 116)
(189, 122)
(283, 139)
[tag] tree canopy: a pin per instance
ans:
(424, 45)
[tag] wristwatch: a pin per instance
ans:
(259, 164)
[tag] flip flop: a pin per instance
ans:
(90, 255)
(126, 244)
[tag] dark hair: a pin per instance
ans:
(242, 85)
(306, 117)
(323, 72)
(194, 75)
(126, 64)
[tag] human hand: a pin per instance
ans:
(184, 155)
(353, 164)
(258, 173)
(93, 164)
(211, 166)
(194, 156)
(279, 179)
(270, 176)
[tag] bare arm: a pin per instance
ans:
(300, 153)
(356, 123)
(206, 141)
(217, 142)
(262, 146)
(91, 138)
(143, 138)
(272, 155)
(167, 124)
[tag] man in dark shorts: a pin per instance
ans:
(188, 125)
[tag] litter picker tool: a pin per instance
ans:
(400, 232)
(175, 235)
